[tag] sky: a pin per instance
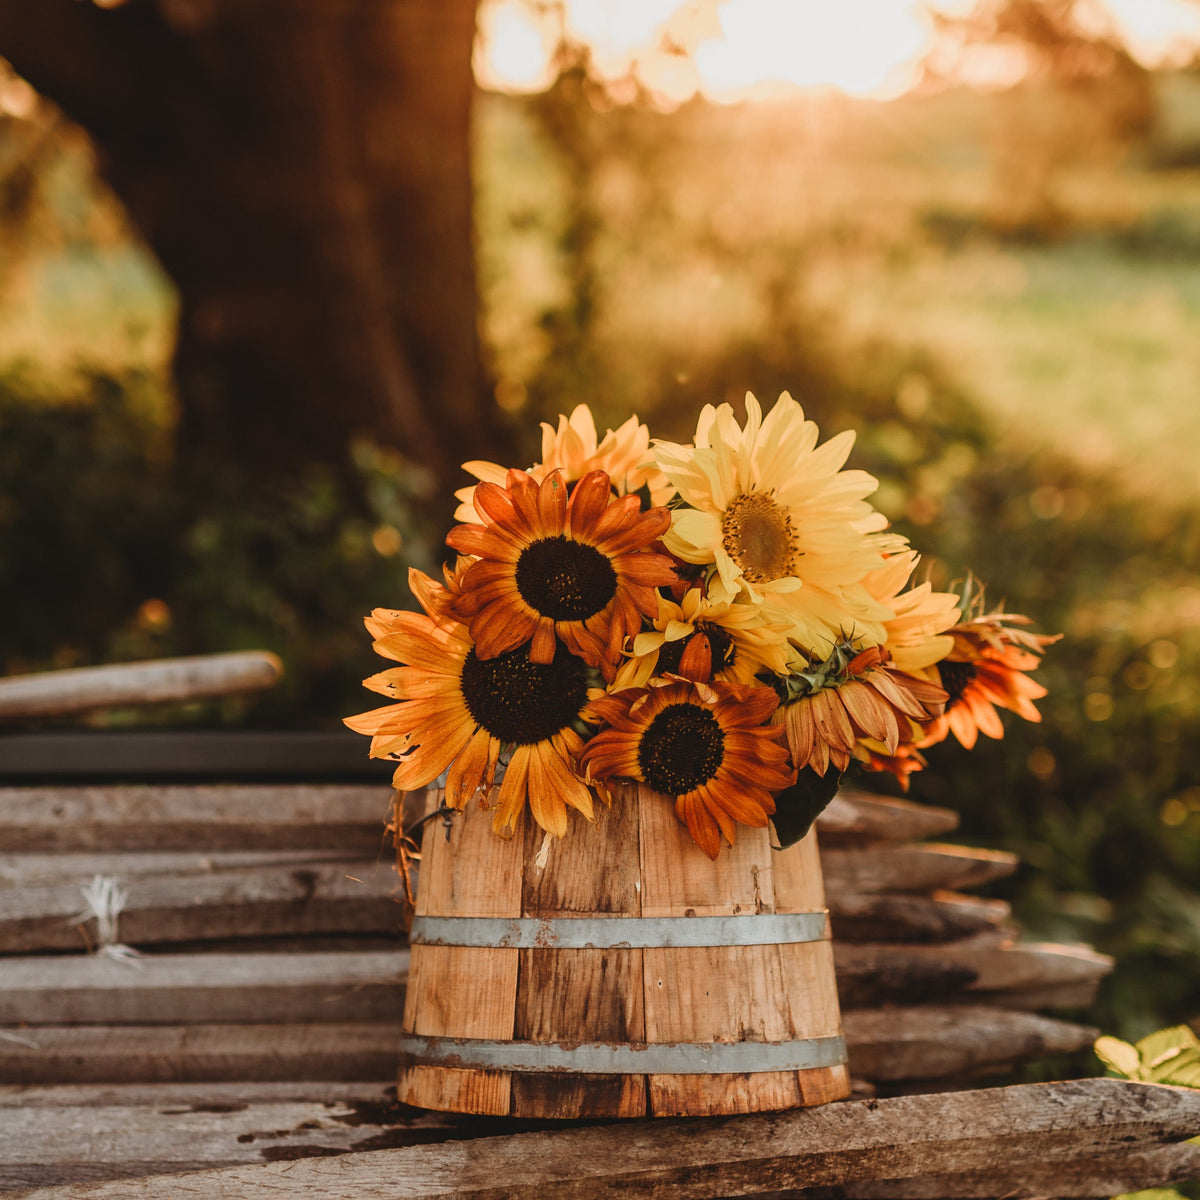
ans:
(732, 50)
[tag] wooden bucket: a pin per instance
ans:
(698, 988)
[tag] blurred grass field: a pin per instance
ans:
(1003, 306)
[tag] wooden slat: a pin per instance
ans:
(706, 994)
(860, 816)
(947, 1042)
(583, 995)
(894, 917)
(78, 1134)
(1104, 1175)
(887, 1045)
(198, 989)
(245, 902)
(912, 868)
(61, 693)
(458, 991)
(347, 817)
(898, 1138)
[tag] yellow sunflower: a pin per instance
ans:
(457, 710)
(704, 640)
(852, 704)
(549, 567)
(916, 635)
(573, 448)
(704, 745)
(987, 669)
(780, 521)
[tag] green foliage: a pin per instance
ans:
(1169, 1056)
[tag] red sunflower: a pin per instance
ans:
(578, 568)
(704, 745)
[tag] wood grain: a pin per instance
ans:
(457, 991)
(199, 989)
(838, 1144)
(346, 817)
(854, 816)
(60, 693)
(243, 902)
(583, 995)
(912, 868)
(894, 917)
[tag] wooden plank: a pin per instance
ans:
(707, 994)
(860, 816)
(460, 991)
(61, 693)
(201, 754)
(347, 817)
(583, 995)
(31, 870)
(874, 974)
(1106, 1175)
(167, 989)
(940, 1042)
(912, 868)
(897, 1138)
(1068, 997)
(246, 902)
(894, 917)
(213, 1096)
(892, 1045)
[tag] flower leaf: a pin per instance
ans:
(1119, 1057)
(798, 806)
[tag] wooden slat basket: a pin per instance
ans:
(624, 975)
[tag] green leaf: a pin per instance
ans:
(1181, 1071)
(1158, 1048)
(1119, 1056)
(798, 806)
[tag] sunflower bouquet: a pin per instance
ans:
(728, 622)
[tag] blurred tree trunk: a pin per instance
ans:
(301, 168)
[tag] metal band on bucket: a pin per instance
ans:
(622, 1058)
(603, 933)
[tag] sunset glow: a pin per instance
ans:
(730, 50)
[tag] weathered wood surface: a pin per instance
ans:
(78, 1134)
(27, 870)
(346, 817)
(170, 989)
(60, 693)
(304, 897)
(947, 1042)
(837, 1144)
(860, 817)
(1131, 1170)
(893, 917)
(926, 867)
(886, 1045)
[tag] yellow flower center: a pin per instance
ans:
(757, 534)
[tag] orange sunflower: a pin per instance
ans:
(705, 745)
(985, 670)
(577, 568)
(854, 704)
(457, 710)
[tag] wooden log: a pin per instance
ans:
(60, 693)
(1064, 997)
(861, 817)
(689, 1160)
(200, 989)
(912, 868)
(212, 1096)
(886, 1045)
(871, 976)
(893, 917)
(246, 902)
(940, 1042)
(345, 817)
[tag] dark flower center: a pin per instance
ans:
(565, 580)
(956, 678)
(521, 702)
(757, 534)
(682, 748)
(720, 644)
